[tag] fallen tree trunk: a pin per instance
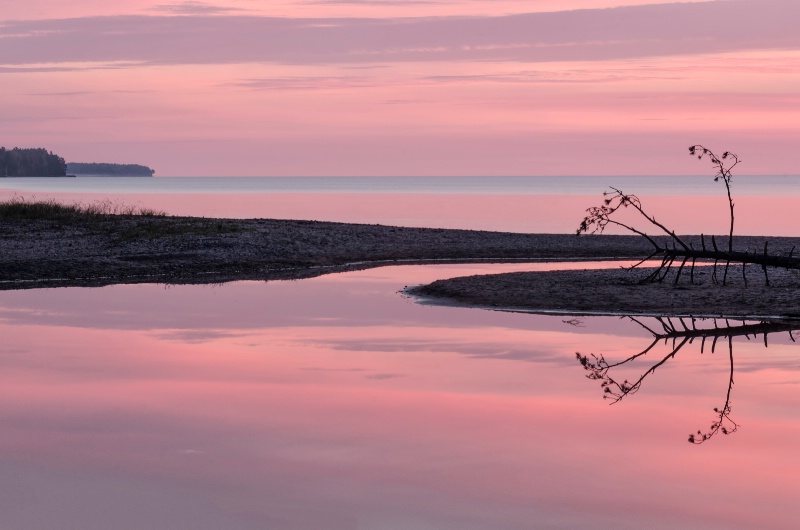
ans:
(600, 217)
(684, 254)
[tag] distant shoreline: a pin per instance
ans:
(37, 176)
(72, 176)
(105, 175)
(109, 169)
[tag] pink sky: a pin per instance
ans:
(380, 87)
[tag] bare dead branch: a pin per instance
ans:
(674, 248)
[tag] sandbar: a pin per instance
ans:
(119, 249)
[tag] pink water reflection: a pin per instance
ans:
(337, 403)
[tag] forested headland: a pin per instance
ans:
(118, 170)
(39, 162)
(36, 162)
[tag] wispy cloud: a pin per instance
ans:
(586, 35)
(67, 67)
(304, 83)
(63, 94)
(376, 2)
(197, 336)
(381, 377)
(545, 77)
(83, 93)
(193, 8)
(484, 351)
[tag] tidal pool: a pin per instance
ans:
(337, 403)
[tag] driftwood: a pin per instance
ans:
(676, 250)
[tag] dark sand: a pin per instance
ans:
(617, 291)
(117, 249)
(123, 249)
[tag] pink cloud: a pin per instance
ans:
(37, 9)
(193, 8)
(599, 34)
(388, 95)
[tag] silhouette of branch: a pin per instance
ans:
(598, 218)
(680, 332)
(723, 173)
(613, 390)
(723, 423)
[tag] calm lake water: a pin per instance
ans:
(765, 205)
(337, 403)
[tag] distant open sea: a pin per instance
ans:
(764, 204)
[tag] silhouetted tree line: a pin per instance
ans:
(131, 170)
(37, 162)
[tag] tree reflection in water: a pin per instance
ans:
(676, 333)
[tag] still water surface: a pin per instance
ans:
(337, 403)
(765, 205)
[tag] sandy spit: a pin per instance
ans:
(129, 249)
(618, 292)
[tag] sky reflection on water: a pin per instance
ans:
(336, 403)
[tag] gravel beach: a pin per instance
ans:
(617, 291)
(131, 249)
(117, 249)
